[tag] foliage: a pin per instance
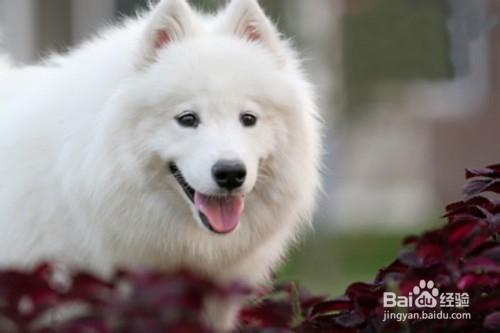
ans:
(462, 256)
(129, 302)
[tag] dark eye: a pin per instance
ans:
(248, 119)
(188, 119)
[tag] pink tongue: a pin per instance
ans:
(223, 214)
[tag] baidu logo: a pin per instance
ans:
(429, 302)
(423, 295)
(426, 295)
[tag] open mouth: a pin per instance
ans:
(219, 214)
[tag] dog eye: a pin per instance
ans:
(188, 119)
(248, 119)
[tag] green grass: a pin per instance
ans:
(327, 263)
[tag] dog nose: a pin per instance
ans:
(229, 174)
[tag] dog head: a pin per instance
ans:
(215, 100)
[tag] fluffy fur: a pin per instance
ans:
(86, 138)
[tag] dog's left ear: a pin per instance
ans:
(170, 21)
(246, 19)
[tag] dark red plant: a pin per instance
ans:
(462, 257)
(38, 301)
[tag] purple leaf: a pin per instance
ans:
(492, 321)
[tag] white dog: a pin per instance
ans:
(176, 139)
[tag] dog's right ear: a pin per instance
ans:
(170, 21)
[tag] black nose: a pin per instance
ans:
(229, 174)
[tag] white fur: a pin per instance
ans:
(85, 139)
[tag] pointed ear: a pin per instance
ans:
(246, 19)
(170, 21)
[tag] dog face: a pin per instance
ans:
(218, 130)
(211, 98)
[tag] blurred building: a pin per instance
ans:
(33, 28)
(421, 80)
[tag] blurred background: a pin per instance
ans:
(410, 93)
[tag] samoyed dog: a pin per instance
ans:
(175, 139)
